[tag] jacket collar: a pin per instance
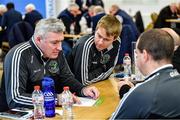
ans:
(36, 49)
(158, 70)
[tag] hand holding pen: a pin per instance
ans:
(91, 92)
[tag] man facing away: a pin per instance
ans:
(10, 17)
(157, 96)
(94, 57)
(26, 64)
(32, 16)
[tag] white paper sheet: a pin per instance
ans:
(86, 101)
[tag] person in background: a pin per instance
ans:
(71, 18)
(88, 3)
(3, 36)
(86, 21)
(153, 16)
(80, 4)
(99, 12)
(94, 57)
(176, 56)
(32, 16)
(124, 18)
(139, 21)
(26, 64)
(176, 59)
(148, 100)
(171, 11)
(174, 35)
(10, 17)
(3, 9)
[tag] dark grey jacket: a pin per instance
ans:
(90, 65)
(24, 67)
(156, 97)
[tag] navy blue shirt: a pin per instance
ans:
(158, 96)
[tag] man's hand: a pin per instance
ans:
(91, 92)
(124, 81)
(76, 99)
(124, 85)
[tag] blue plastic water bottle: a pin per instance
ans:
(49, 96)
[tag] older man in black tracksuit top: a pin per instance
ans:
(157, 96)
(93, 57)
(26, 64)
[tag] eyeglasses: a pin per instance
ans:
(101, 37)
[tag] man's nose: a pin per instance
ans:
(100, 41)
(59, 46)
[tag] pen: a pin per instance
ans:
(76, 99)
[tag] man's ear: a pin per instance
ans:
(145, 55)
(38, 39)
(115, 39)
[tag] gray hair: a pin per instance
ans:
(49, 25)
(30, 7)
(2, 8)
(73, 5)
(98, 9)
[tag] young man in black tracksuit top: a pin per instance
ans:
(94, 56)
(26, 64)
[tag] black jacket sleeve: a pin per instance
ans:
(15, 78)
(68, 78)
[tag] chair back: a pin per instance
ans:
(20, 32)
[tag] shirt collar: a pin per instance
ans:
(158, 69)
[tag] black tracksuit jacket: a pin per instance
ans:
(24, 67)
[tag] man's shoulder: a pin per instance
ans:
(85, 38)
(20, 48)
(160, 79)
(64, 13)
(170, 73)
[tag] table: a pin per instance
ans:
(173, 22)
(108, 93)
(70, 36)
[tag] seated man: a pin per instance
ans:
(26, 64)
(149, 99)
(176, 59)
(125, 18)
(94, 57)
(32, 16)
(176, 56)
(71, 17)
(168, 12)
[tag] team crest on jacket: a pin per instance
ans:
(105, 58)
(53, 66)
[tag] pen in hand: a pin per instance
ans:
(76, 99)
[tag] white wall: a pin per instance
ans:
(131, 6)
(61, 5)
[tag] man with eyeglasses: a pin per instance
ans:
(94, 57)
